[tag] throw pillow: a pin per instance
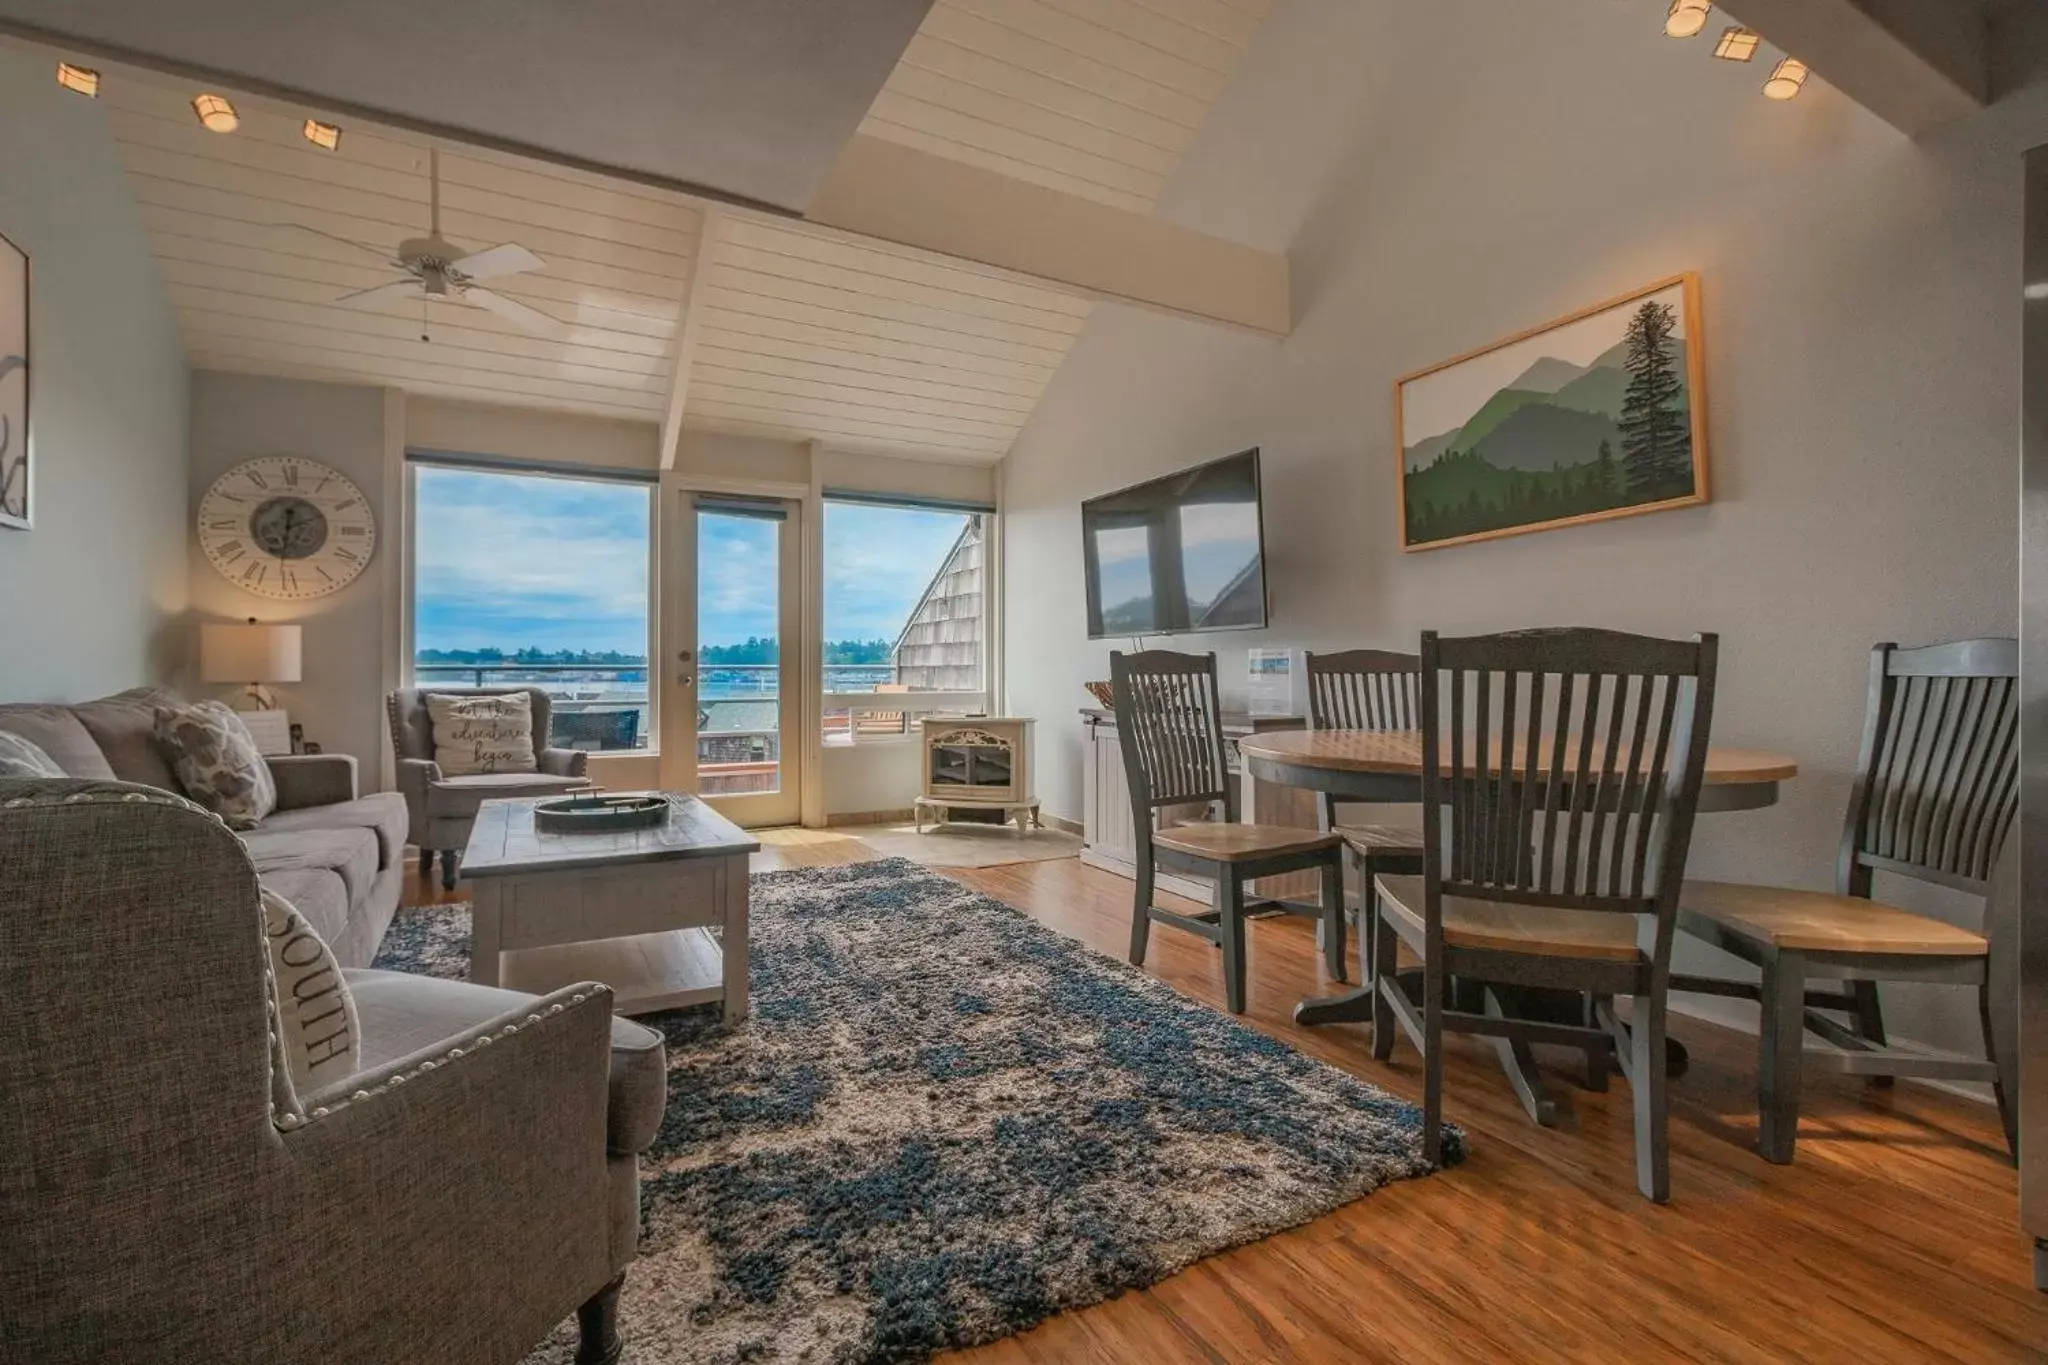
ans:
(316, 1012)
(217, 761)
(482, 734)
(22, 758)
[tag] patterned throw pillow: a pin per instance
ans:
(20, 758)
(322, 1043)
(482, 734)
(217, 761)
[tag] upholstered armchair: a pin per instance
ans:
(166, 1193)
(442, 809)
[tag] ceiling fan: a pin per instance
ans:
(436, 268)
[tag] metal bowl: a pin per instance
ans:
(601, 814)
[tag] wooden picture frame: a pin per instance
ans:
(17, 474)
(1595, 415)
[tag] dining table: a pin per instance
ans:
(1385, 767)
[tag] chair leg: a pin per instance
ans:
(597, 1327)
(450, 864)
(1781, 1049)
(1597, 1057)
(1433, 986)
(1333, 917)
(2008, 1116)
(426, 861)
(1870, 1024)
(1651, 1081)
(1230, 904)
(1385, 957)
(1141, 910)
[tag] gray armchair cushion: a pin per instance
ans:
(58, 733)
(124, 726)
(382, 813)
(460, 797)
(351, 854)
(313, 779)
(401, 1012)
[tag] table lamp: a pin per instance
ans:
(250, 654)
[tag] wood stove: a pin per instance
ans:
(979, 763)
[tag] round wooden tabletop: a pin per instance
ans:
(1399, 753)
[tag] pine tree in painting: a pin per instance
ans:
(1656, 435)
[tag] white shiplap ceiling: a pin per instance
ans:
(799, 331)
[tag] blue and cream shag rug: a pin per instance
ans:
(944, 1123)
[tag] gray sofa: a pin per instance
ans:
(166, 1194)
(338, 857)
(443, 809)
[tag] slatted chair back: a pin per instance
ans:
(1169, 723)
(1937, 786)
(1562, 768)
(1364, 689)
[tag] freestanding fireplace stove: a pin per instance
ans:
(981, 764)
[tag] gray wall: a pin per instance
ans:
(89, 599)
(1506, 164)
(238, 417)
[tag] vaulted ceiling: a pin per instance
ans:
(782, 327)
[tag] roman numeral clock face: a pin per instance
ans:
(286, 528)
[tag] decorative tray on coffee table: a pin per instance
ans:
(589, 814)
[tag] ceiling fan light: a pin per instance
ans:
(325, 136)
(83, 79)
(1687, 17)
(1787, 81)
(1738, 44)
(216, 115)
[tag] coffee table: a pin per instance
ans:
(635, 909)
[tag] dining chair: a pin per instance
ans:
(1169, 725)
(1936, 792)
(1561, 772)
(1369, 689)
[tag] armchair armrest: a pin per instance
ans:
(313, 779)
(563, 762)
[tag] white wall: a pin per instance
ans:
(1510, 163)
(238, 417)
(89, 599)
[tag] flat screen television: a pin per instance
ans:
(1178, 554)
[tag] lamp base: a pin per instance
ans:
(256, 697)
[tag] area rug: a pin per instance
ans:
(944, 1123)
(968, 845)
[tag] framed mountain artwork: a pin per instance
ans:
(14, 472)
(1598, 415)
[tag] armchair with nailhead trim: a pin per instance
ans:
(167, 1194)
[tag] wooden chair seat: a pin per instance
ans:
(1820, 922)
(1501, 926)
(1380, 841)
(1236, 843)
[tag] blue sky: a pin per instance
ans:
(526, 560)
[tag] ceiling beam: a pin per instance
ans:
(1916, 64)
(899, 194)
(688, 325)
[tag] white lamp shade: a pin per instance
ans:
(249, 654)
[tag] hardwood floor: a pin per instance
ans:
(1894, 1237)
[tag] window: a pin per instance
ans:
(542, 579)
(905, 612)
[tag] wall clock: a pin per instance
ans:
(287, 528)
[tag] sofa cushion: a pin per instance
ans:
(61, 735)
(217, 761)
(350, 854)
(124, 727)
(316, 1014)
(461, 796)
(317, 893)
(382, 813)
(401, 1013)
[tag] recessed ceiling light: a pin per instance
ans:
(323, 135)
(83, 79)
(216, 113)
(1687, 17)
(1737, 45)
(1785, 82)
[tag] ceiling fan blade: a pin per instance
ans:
(383, 256)
(507, 258)
(532, 319)
(397, 289)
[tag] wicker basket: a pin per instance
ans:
(1102, 694)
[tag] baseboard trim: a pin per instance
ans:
(870, 817)
(1731, 1014)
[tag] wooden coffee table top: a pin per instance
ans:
(504, 842)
